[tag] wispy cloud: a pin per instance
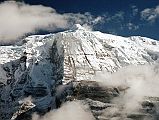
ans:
(135, 10)
(114, 22)
(132, 26)
(150, 14)
(117, 17)
(121, 21)
(18, 19)
(86, 19)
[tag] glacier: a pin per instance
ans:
(44, 66)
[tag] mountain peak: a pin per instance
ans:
(78, 27)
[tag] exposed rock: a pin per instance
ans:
(99, 101)
(26, 106)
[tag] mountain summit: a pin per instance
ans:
(44, 62)
(78, 27)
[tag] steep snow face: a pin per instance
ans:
(86, 52)
(39, 63)
(28, 70)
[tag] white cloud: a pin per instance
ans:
(18, 19)
(69, 111)
(150, 14)
(138, 81)
(134, 10)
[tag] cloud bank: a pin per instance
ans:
(69, 111)
(141, 81)
(17, 19)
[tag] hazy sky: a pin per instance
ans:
(121, 17)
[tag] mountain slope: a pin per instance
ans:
(39, 64)
(87, 52)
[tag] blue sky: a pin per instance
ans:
(120, 17)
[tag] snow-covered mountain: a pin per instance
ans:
(38, 64)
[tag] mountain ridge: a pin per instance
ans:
(39, 64)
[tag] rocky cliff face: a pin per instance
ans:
(40, 64)
(99, 99)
